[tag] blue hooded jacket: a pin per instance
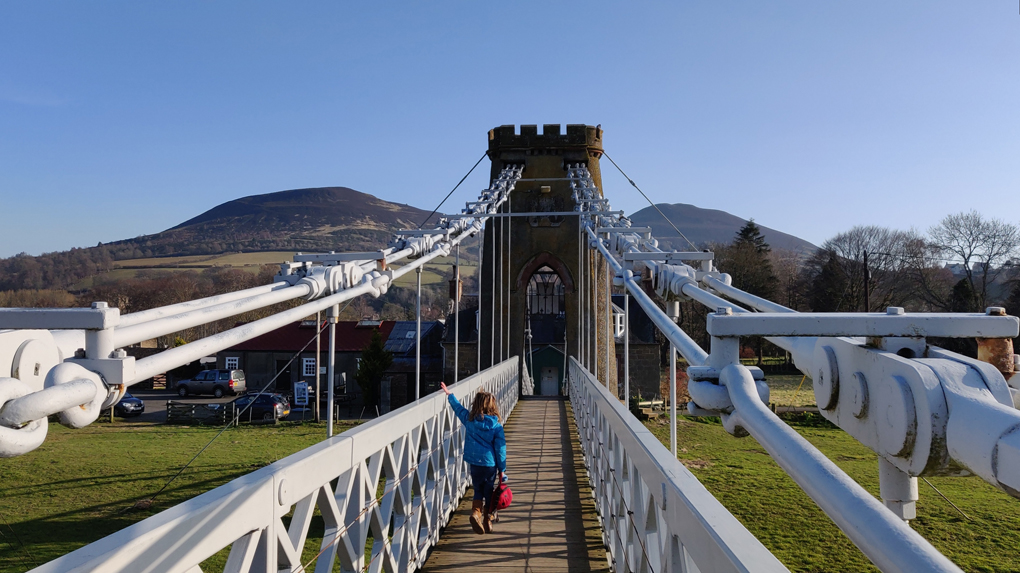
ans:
(485, 444)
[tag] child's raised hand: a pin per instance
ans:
(444, 388)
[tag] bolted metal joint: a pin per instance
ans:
(21, 439)
(1007, 462)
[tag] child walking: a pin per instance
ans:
(484, 451)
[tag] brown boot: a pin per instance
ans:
(476, 516)
(489, 519)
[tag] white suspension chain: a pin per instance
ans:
(67, 362)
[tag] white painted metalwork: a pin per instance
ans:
(919, 407)
(456, 317)
(626, 350)
(417, 338)
(509, 270)
(332, 316)
(415, 451)
(922, 409)
(668, 256)
(656, 516)
(608, 322)
(45, 346)
(894, 322)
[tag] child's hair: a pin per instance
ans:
(484, 405)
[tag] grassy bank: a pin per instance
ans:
(791, 390)
(82, 485)
(744, 478)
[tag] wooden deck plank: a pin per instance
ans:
(551, 525)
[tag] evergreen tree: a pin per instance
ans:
(375, 360)
(747, 261)
(963, 297)
(829, 286)
(750, 235)
(1013, 302)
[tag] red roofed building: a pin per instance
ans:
(287, 355)
(265, 357)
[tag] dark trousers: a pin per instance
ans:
(483, 479)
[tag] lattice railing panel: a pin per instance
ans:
(398, 478)
(655, 514)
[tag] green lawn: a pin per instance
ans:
(82, 485)
(431, 275)
(745, 479)
(790, 390)
(427, 278)
(202, 261)
(251, 262)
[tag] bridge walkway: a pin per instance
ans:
(552, 524)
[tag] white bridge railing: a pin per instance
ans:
(656, 516)
(921, 409)
(415, 452)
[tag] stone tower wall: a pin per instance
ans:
(515, 247)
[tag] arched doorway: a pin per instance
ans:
(546, 325)
(546, 308)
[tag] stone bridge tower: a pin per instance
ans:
(533, 266)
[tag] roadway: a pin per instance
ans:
(551, 524)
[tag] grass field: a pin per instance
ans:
(745, 479)
(790, 390)
(129, 268)
(81, 485)
(430, 276)
(427, 278)
(200, 261)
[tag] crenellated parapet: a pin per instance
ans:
(577, 136)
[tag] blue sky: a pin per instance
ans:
(119, 119)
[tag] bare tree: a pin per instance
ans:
(787, 266)
(985, 247)
(842, 260)
(931, 282)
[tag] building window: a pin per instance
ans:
(546, 318)
(618, 328)
(545, 292)
(232, 362)
(309, 367)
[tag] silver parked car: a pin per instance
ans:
(215, 382)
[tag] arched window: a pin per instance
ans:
(545, 292)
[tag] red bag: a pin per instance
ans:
(501, 498)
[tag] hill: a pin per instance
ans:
(316, 220)
(704, 226)
(320, 219)
(267, 227)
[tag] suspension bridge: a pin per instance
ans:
(594, 489)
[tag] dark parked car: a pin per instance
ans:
(215, 382)
(264, 407)
(129, 406)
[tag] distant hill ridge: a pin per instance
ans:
(323, 218)
(317, 220)
(330, 207)
(704, 226)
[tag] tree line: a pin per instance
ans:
(965, 263)
(152, 288)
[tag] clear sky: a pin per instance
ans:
(119, 119)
